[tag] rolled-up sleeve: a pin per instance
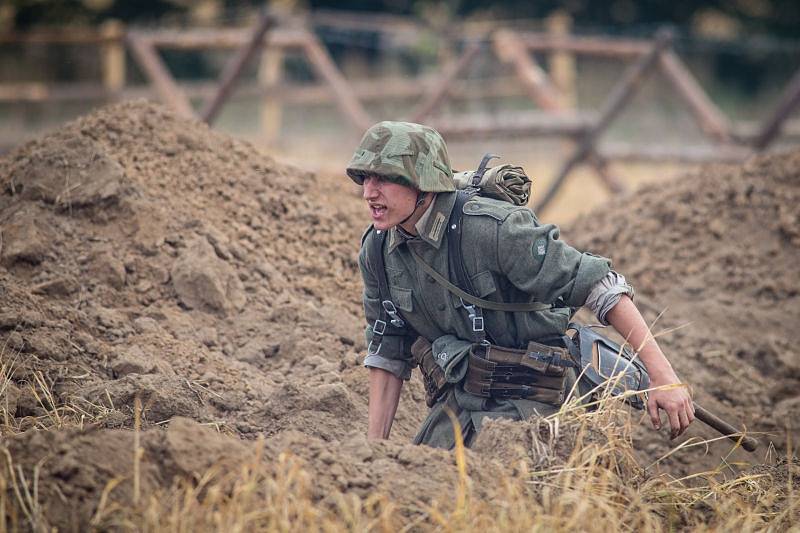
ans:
(393, 351)
(537, 262)
(606, 294)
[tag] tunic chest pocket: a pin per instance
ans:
(482, 282)
(402, 298)
(399, 280)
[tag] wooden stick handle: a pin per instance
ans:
(748, 443)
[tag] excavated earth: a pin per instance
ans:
(143, 255)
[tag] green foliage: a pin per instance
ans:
(777, 17)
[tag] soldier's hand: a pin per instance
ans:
(675, 401)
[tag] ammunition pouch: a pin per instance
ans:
(538, 372)
(442, 363)
(432, 373)
(535, 373)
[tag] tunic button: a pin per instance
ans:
(429, 279)
(441, 307)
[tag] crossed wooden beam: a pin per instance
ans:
(144, 48)
(510, 48)
(515, 49)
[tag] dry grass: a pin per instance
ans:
(579, 473)
(597, 486)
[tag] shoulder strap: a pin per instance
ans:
(458, 271)
(389, 321)
(456, 260)
(375, 255)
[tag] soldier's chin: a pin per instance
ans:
(382, 225)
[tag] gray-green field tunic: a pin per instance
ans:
(510, 257)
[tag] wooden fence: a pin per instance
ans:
(551, 92)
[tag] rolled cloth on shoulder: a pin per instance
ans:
(503, 182)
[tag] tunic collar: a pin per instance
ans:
(432, 226)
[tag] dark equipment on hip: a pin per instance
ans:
(605, 365)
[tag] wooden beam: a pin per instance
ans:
(329, 72)
(709, 117)
(200, 39)
(690, 155)
(746, 131)
(298, 93)
(233, 69)
(518, 124)
(790, 99)
(148, 59)
(620, 96)
(592, 46)
(61, 36)
(365, 21)
(510, 49)
(601, 168)
(442, 87)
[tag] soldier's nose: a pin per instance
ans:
(370, 189)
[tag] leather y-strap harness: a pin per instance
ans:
(389, 321)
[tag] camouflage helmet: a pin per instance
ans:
(409, 154)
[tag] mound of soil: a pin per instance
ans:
(147, 256)
(717, 252)
(168, 259)
(144, 255)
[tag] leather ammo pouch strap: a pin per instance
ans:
(508, 373)
(548, 360)
(509, 391)
(482, 370)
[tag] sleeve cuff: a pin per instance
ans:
(401, 369)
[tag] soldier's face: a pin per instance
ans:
(389, 203)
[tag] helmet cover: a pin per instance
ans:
(402, 152)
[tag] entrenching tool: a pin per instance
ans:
(605, 365)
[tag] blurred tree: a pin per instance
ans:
(777, 17)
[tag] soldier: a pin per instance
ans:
(508, 258)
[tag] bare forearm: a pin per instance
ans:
(627, 320)
(676, 402)
(384, 395)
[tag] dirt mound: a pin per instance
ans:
(717, 251)
(66, 476)
(177, 259)
(147, 256)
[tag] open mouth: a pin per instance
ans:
(377, 210)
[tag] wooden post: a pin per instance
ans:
(442, 86)
(600, 165)
(616, 101)
(146, 55)
(8, 12)
(270, 73)
(511, 50)
(562, 62)
(790, 99)
(327, 69)
(113, 53)
(233, 69)
(710, 119)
